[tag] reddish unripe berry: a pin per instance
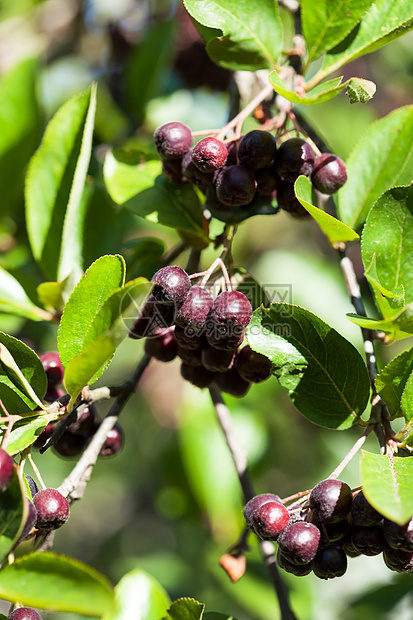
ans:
(162, 345)
(171, 285)
(269, 520)
(197, 375)
(235, 186)
(173, 140)
(330, 562)
(294, 157)
(52, 509)
(209, 154)
(195, 308)
(330, 501)
(329, 173)
(53, 368)
(253, 366)
(113, 443)
(257, 149)
(6, 469)
(300, 541)
(24, 613)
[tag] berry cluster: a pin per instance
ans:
(246, 172)
(24, 613)
(182, 320)
(335, 525)
(79, 433)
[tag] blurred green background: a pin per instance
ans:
(170, 502)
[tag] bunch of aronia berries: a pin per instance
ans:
(183, 320)
(237, 174)
(335, 524)
(78, 434)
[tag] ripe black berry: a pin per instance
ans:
(257, 149)
(330, 562)
(24, 613)
(347, 545)
(267, 181)
(287, 201)
(217, 360)
(300, 541)
(172, 140)
(294, 157)
(53, 368)
(363, 513)
(330, 501)
(329, 173)
(197, 375)
(368, 540)
(399, 536)
(162, 345)
(235, 186)
(171, 285)
(113, 443)
(209, 154)
(70, 445)
(268, 520)
(6, 469)
(53, 394)
(337, 531)
(299, 570)
(253, 366)
(398, 560)
(195, 309)
(232, 383)
(193, 357)
(153, 315)
(52, 509)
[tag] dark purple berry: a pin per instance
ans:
(232, 383)
(217, 360)
(347, 545)
(197, 375)
(330, 562)
(255, 504)
(172, 170)
(24, 613)
(195, 309)
(235, 186)
(70, 445)
(329, 173)
(173, 140)
(267, 181)
(294, 157)
(193, 357)
(368, 540)
(53, 394)
(300, 541)
(337, 531)
(232, 148)
(209, 154)
(257, 149)
(253, 366)
(6, 469)
(171, 285)
(398, 560)
(189, 337)
(230, 314)
(30, 520)
(153, 315)
(299, 570)
(52, 509)
(330, 501)
(363, 513)
(162, 345)
(287, 201)
(202, 180)
(268, 520)
(53, 368)
(399, 536)
(87, 422)
(113, 443)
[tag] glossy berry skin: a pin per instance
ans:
(232, 311)
(329, 173)
(195, 308)
(269, 520)
(398, 560)
(53, 368)
(300, 541)
(235, 186)
(330, 562)
(368, 540)
(171, 285)
(255, 503)
(330, 501)
(202, 180)
(197, 375)
(113, 443)
(232, 383)
(257, 149)
(209, 154)
(299, 570)
(6, 469)
(162, 345)
(24, 613)
(363, 513)
(287, 201)
(399, 536)
(294, 157)
(253, 366)
(173, 140)
(52, 509)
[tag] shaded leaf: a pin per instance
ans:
(138, 596)
(144, 256)
(252, 289)
(185, 609)
(51, 294)
(378, 162)
(56, 582)
(333, 228)
(391, 382)
(15, 300)
(387, 482)
(13, 513)
(250, 40)
(325, 375)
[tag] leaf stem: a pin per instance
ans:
(249, 108)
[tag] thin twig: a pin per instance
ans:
(239, 118)
(351, 453)
(240, 459)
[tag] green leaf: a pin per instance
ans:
(111, 325)
(326, 23)
(51, 294)
(388, 235)
(325, 375)
(25, 433)
(407, 399)
(138, 596)
(378, 162)
(102, 278)
(250, 40)
(54, 187)
(333, 228)
(14, 299)
(396, 327)
(127, 172)
(391, 382)
(58, 583)
(387, 485)
(383, 22)
(214, 615)
(22, 378)
(185, 609)
(13, 514)
(360, 90)
(319, 94)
